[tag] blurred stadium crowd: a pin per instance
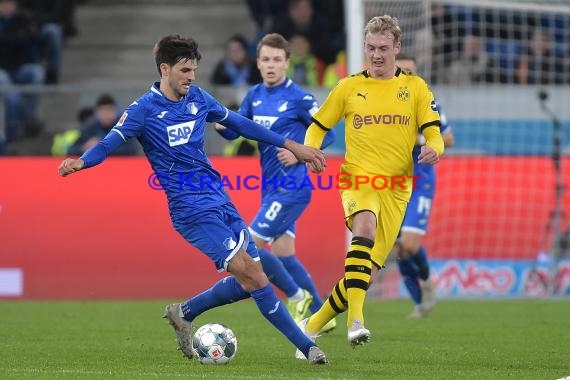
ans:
(471, 45)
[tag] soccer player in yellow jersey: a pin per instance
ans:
(384, 109)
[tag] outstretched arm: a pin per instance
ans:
(226, 133)
(93, 156)
(251, 130)
(254, 131)
(288, 159)
(314, 157)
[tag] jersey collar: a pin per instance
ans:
(156, 89)
(286, 83)
(396, 74)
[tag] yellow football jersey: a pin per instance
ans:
(382, 121)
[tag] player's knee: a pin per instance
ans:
(369, 234)
(410, 242)
(367, 231)
(252, 277)
(364, 225)
(409, 248)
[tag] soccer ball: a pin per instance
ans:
(214, 343)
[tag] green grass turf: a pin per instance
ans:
(521, 339)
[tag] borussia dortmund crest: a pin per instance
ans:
(350, 205)
(403, 94)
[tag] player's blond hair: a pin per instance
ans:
(384, 24)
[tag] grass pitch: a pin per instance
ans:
(498, 339)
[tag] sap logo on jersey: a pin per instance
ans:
(266, 121)
(180, 133)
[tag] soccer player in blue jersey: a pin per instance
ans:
(412, 256)
(169, 121)
(282, 106)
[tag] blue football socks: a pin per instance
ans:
(410, 277)
(421, 261)
(277, 273)
(225, 291)
(275, 312)
(303, 279)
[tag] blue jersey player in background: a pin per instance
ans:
(282, 106)
(413, 261)
(169, 121)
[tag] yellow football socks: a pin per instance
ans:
(357, 272)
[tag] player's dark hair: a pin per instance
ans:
(276, 41)
(173, 49)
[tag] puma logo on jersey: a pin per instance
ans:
(162, 114)
(361, 94)
(256, 103)
(262, 225)
(180, 133)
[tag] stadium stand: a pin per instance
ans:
(116, 57)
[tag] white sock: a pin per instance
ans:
(300, 295)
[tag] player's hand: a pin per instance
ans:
(219, 127)
(313, 157)
(70, 165)
(428, 155)
(286, 157)
(313, 168)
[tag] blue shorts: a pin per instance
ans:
(219, 233)
(276, 218)
(417, 213)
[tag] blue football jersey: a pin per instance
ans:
(172, 136)
(285, 109)
(427, 171)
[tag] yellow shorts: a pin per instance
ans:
(389, 206)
